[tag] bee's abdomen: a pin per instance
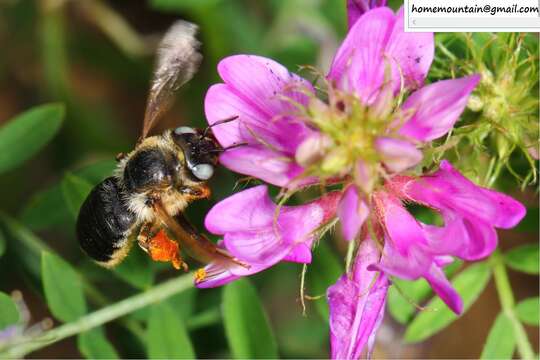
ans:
(104, 221)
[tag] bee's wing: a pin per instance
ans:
(177, 61)
(195, 244)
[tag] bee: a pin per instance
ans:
(144, 199)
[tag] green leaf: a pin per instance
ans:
(167, 337)
(523, 258)
(402, 296)
(136, 269)
(63, 288)
(469, 284)
(38, 215)
(93, 344)
(9, 314)
(25, 244)
(527, 311)
(184, 303)
(27, 133)
(501, 342)
(246, 325)
(75, 190)
(325, 270)
(303, 337)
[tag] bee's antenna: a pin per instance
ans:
(229, 147)
(219, 122)
(235, 146)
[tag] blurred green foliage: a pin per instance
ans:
(63, 51)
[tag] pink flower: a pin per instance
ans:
(364, 138)
(256, 233)
(288, 130)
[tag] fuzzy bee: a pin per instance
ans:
(144, 199)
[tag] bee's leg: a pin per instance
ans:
(145, 234)
(196, 192)
(154, 240)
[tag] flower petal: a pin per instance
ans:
(270, 154)
(256, 90)
(275, 241)
(219, 274)
(301, 253)
(263, 247)
(261, 81)
(357, 306)
(410, 266)
(448, 190)
(358, 63)
(443, 260)
(397, 155)
(246, 210)
(257, 232)
(222, 102)
(402, 228)
(462, 238)
(436, 107)
(410, 54)
(264, 164)
(352, 213)
(356, 8)
(440, 284)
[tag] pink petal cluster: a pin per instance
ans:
(266, 97)
(413, 249)
(256, 233)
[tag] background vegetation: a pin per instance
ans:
(73, 82)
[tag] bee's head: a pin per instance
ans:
(200, 150)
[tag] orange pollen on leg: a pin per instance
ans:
(161, 248)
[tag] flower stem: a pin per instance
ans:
(506, 297)
(100, 317)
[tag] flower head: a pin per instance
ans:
(363, 133)
(358, 134)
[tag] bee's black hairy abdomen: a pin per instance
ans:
(104, 221)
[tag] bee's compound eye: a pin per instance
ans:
(184, 130)
(203, 171)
